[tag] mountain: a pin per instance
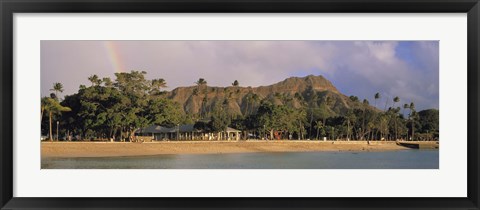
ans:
(309, 91)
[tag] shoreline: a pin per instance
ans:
(123, 149)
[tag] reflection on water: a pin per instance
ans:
(402, 159)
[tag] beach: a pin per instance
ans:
(116, 149)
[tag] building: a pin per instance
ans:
(186, 132)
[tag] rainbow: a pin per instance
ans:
(114, 56)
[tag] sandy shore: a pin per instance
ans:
(108, 149)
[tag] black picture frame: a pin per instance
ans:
(10, 7)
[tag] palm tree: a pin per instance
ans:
(201, 82)
(366, 102)
(235, 83)
(377, 96)
(312, 104)
(44, 104)
(371, 126)
(248, 100)
(412, 106)
(383, 125)
(255, 99)
(318, 126)
(52, 106)
(405, 106)
(350, 120)
(158, 84)
(386, 104)
(412, 113)
(395, 100)
(57, 87)
(95, 80)
(365, 105)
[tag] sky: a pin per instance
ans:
(407, 69)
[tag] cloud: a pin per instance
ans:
(369, 67)
(405, 69)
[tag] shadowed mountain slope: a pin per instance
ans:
(297, 92)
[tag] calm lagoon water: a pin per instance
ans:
(402, 159)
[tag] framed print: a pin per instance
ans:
(239, 105)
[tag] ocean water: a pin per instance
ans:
(401, 159)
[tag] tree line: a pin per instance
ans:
(117, 108)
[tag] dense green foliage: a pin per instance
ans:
(109, 109)
(117, 108)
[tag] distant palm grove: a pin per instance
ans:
(297, 108)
